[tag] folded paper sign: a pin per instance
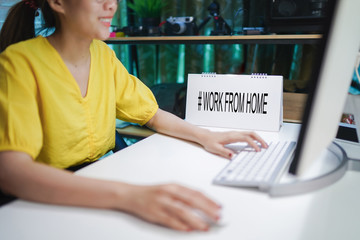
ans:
(252, 102)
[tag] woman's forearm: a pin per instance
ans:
(24, 178)
(169, 205)
(169, 124)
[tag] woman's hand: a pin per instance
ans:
(171, 205)
(167, 123)
(215, 142)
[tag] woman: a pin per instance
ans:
(60, 96)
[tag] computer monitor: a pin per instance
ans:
(329, 84)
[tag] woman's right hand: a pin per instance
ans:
(171, 205)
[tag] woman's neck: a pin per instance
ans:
(72, 49)
(75, 52)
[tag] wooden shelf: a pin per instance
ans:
(238, 39)
(293, 106)
(134, 131)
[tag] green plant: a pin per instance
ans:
(147, 8)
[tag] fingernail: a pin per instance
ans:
(230, 155)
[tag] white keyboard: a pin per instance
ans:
(256, 169)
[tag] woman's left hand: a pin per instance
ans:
(215, 142)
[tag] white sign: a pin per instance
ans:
(235, 101)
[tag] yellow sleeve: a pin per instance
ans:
(134, 100)
(20, 125)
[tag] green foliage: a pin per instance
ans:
(147, 8)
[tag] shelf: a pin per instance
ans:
(293, 105)
(134, 131)
(238, 39)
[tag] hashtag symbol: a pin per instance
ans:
(199, 101)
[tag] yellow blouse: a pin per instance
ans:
(43, 113)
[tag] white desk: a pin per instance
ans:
(329, 213)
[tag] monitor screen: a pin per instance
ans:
(329, 84)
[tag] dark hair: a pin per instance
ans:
(19, 23)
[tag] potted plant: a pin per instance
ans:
(148, 11)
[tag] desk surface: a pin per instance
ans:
(329, 213)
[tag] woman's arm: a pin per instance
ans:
(26, 179)
(168, 205)
(169, 124)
